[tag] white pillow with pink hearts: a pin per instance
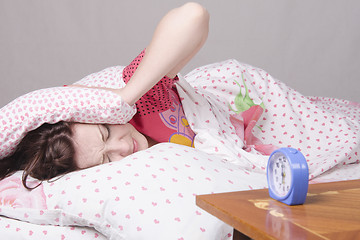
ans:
(150, 193)
(75, 104)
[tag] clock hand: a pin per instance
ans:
(283, 174)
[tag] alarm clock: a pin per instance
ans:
(288, 176)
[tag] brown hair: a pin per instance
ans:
(43, 153)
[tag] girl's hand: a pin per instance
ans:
(177, 38)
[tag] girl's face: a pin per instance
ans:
(101, 143)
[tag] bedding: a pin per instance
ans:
(219, 99)
(239, 113)
(19, 230)
(151, 192)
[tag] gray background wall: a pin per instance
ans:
(311, 45)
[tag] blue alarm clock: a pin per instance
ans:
(288, 176)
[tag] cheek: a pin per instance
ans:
(139, 137)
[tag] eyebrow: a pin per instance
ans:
(108, 129)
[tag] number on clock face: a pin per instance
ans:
(281, 174)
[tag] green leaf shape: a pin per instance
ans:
(243, 103)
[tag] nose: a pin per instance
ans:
(118, 149)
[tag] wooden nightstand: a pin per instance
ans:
(331, 211)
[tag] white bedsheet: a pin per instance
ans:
(19, 230)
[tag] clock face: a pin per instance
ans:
(280, 174)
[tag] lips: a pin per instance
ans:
(135, 148)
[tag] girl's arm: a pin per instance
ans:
(177, 38)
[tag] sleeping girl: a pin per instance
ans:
(55, 149)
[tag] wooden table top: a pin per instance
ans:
(331, 211)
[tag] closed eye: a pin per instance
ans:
(105, 135)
